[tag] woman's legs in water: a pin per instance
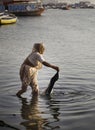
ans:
(24, 76)
(34, 84)
(23, 89)
(28, 76)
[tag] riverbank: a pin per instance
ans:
(63, 5)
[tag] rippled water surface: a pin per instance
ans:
(69, 37)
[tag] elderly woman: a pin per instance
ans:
(30, 67)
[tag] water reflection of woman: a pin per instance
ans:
(31, 114)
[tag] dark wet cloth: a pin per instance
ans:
(51, 83)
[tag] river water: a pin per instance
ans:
(69, 38)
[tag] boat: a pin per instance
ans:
(25, 7)
(2, 7)
(6, 18)
(65, 8)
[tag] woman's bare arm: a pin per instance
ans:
(50, 65)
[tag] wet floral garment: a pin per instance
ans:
(28, 76)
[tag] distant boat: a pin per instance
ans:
(25, 7)
(65, 7)
(6, 18)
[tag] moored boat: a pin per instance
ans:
(7, 18)
(65, 8)
(25, 7)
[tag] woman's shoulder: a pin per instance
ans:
(35, 54)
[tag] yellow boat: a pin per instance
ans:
(7, 19)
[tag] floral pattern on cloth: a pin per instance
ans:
(27, 74)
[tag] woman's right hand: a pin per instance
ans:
(56, 68)
(50, 65)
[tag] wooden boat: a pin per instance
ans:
(36, 12)
(7, 18)
(25, 7)
(65, 8)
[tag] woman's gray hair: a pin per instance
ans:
(38, 47)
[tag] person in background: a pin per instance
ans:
(29, 69)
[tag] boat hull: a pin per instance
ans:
(26, 9)
(8, 19)
(29, 13)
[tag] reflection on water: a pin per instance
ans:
(36, 119)
(31, 114)
(51, 113)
